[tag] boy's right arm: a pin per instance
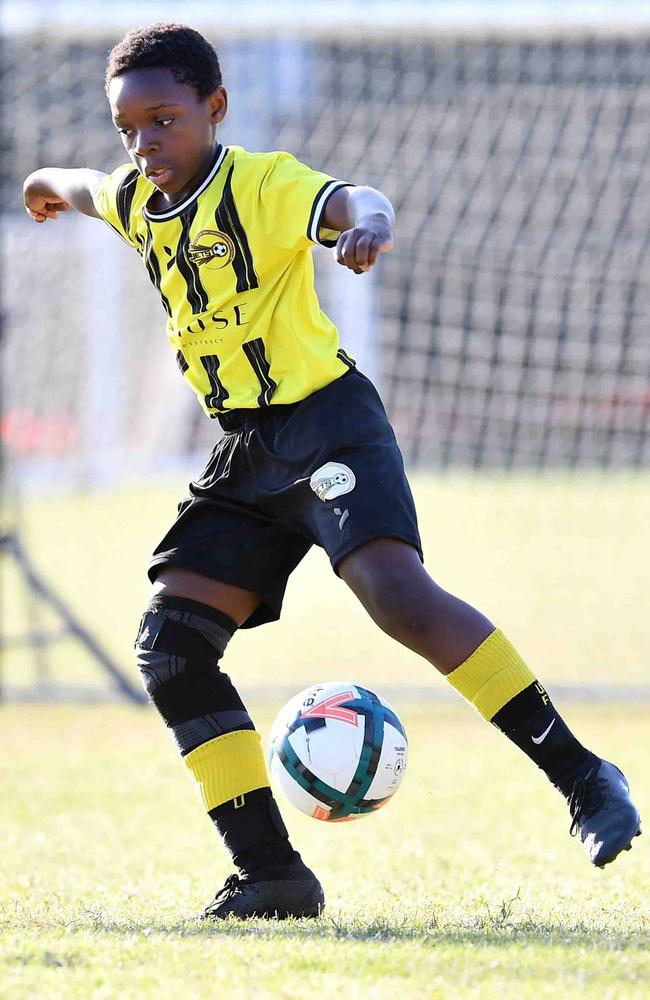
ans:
(52, 190)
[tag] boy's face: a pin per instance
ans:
(166, 128)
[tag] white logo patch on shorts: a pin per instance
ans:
(332, 480)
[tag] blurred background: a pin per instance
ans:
(507, 332)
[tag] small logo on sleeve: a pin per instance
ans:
(332, 480)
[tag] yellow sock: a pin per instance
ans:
(228, 766)
(492, 675)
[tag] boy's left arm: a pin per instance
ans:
(364, 217)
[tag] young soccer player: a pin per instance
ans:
(307, 457)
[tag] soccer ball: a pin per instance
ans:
(337, 751)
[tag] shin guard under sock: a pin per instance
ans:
(179, 645)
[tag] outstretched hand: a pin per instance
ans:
(359, 248)
(42, 207)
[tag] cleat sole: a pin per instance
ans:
(272, 900)
(626, 847)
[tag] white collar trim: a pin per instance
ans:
(177, 209)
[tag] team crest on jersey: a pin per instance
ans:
(211, 248)
(332, 480)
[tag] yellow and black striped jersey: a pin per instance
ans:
(233, 266)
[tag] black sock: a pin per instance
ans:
(534, 725)
(254, 833)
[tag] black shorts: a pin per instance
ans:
(325, 471)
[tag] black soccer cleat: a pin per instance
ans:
(603, 814)
(297, 894)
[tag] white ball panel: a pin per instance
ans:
(331, 752)
(297, 795)
(392, 764)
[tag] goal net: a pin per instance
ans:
(507, 329)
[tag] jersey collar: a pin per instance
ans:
(220, 155)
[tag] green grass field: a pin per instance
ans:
(559, 564)
(468, 884)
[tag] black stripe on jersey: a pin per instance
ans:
(153, 267)
(218, 393)
(196, 293)
(254, 351)
(229, 201)
(181, 362)
(345, 358)
(239, 267)
(318, 210)
(228, 222)
(124, 198)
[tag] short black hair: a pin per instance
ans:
(185, 52)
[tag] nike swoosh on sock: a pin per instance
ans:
(540, 739)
